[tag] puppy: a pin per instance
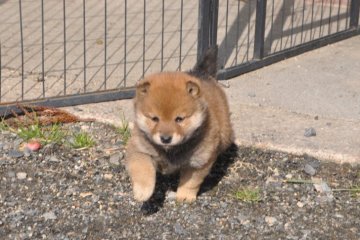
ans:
(182, 123)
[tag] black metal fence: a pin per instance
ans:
(63, 52)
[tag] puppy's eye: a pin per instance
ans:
(155, 119)
(179, 119)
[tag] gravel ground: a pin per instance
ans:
(63, 193)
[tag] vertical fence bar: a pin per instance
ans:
(282, 24)
(22, 50)
(312, 20)
(272, 24)
(302, 22)
(237, 32)
(260, 29)
(248, 32)
(125, 36)
(338, 17)
(321, 17)
(347, 13)
(226, 30)
(84, 39)
(105, 45)
(354, 13)
(42, 49)
(207, 25)
(181, 29)
(214, 12)
(162, 34)
(64, 29)
(292, 24)
(144, 33)
(330, 13)
(203, 28)
(0, 74)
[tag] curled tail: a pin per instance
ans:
(207, 66)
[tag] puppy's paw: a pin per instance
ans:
(186, 195)
(142, 193)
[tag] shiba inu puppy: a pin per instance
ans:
(182, 123)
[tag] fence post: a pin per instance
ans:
(354, 13)
(207, 25)
(260, 29)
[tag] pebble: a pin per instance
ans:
(300, 204)
(11, 174)
(108, 176)
(310, 132)
(115, 158)
(270, 220)
(15, 154)
(49, 216)
(52, 158)
(179, 229)
(21, 175)
(309, 170)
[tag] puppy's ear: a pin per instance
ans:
(207, 65)
(193, 88)
(142, 88)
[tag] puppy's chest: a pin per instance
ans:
(169, 163)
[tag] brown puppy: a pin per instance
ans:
(181, 123)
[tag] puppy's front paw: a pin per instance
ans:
(186, 195)
(142, 193)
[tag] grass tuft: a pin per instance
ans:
(249, 195)
(124, 130)
(82, 140)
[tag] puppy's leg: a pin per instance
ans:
(190, 181)
(142, 174)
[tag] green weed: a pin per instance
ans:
(82, 140)
(124, 130)
(249, 195)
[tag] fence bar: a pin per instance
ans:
(84, 39)
(64, 29)
(354, 13)
(181, 30)
(144, 34)
(22, 51)
(125, 36)
(260, 29)
(162, 35)
(0, 73)
(207, 22)
(42, 49)
(105, 45)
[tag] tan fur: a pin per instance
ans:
(166, 96)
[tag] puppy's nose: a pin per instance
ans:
(165, 139)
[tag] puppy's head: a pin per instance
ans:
(169, 108)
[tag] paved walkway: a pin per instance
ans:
(272, 107)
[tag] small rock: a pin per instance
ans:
(171, 195)
(11, 174)
(115, 158)
(52, 158)
(289, 176)
(27, 152)
(49, 216)
(300, 204)
(179, 229)
(252, 95)
(15, 154)
(21, 175)
(322, 187)
(33, 145)
(310, 132)
(316, 118)
(309, 170)
(108, 176)
(270, 220)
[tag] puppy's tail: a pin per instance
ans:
(207, 66)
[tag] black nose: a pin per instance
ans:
(165, 139)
